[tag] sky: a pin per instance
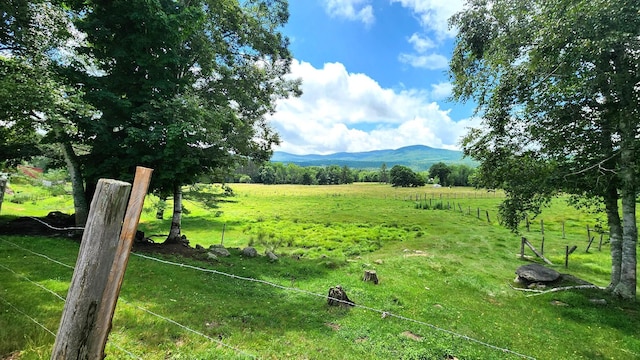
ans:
(374, 76)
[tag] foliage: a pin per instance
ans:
(556, 85)
(403, 176)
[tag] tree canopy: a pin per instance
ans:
(183, 87)
(556, 84)
(403, 176)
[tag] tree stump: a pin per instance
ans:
(338, 297)
(370, 275)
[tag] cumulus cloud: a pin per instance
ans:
(422, 59)
(441, 91)
(342, 111)
(425, 61)
(355, 10)
(434, 14)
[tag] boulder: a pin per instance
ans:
(219, 251)
(271, 256)
(249, 251)
(536, 273)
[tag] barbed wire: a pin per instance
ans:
(382, 312)
(25, 314)
(288, 288)
(63, 300)
(217, 341)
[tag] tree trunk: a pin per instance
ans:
(3, 184)
(176, 220)
(80, 204)
(626, 287)
(615, 235)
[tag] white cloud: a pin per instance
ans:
(421, 59)
(426, 61)
(421, 44)
(355, 10)
(441, 90)
(342, 111)
(434, 14)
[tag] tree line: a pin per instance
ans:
(398, 175)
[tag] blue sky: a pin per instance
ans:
(374, 77)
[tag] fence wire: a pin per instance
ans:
(288, 288)
(217, 341)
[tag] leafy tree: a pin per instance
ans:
(556, 85)
(440, 171)
(403, 176)
(32, 98)
(182, 87)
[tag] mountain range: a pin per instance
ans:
(416, 157)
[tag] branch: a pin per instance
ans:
(598, 165)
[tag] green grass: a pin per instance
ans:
(443, 268)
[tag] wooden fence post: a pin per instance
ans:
(121, 259)
(86, 318)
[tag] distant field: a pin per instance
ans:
(444, 280)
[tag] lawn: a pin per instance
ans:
(444, 292)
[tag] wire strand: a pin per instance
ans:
(30, 318)
(288, 288)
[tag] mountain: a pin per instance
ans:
(417, 157)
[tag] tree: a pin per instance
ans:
(182, 87)
(556, 85)
(33, 99)
(405, 177)
(384, 173)
(441, 171)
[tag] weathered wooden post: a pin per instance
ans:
(116, 275)
(86, 318)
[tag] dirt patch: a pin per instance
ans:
(57, 224)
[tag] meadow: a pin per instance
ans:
(445, 291)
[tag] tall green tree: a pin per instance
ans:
(33, 99)
(440, 171)
(182, 87)
(403, 176)
(556, 84)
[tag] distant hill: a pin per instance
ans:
(417, 157)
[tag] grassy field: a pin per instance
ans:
(444, 289)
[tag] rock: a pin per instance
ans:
(212, 256)
(271, 256)
(249, 251)
(200, 247)
(379, 262)
(536, 273)
(219, 251)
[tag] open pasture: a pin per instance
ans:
(444, 288)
